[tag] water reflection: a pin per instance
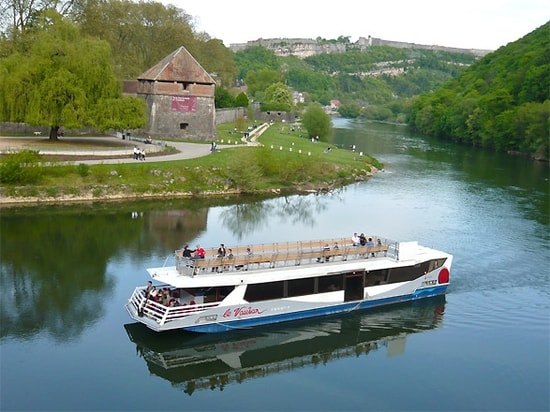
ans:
(245, 218)
(52, 270)
(53, 260)
(192, 362)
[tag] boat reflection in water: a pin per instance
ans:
(210, 361)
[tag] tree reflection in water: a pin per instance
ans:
(245, 218)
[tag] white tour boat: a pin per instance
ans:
(279, 282)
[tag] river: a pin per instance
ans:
(67, 343)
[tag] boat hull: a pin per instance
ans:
(312, 313)
(293, 313)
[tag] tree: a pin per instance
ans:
(63, 79)
(241, 100)
(259, 81)
(255, 58)
(222, 98)
(317, 122)
(349, 111)
(218, 59)
(277, 97)
(17, 16)
(140, 33)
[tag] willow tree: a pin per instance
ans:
(63, 79)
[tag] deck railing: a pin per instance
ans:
(163, 314)
(271, 255)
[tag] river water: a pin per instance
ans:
(67, 343)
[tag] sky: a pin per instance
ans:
(469, 24)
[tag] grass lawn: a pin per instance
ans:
(285, 161)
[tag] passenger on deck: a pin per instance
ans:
(187, 253)
(362, 239)
(221, 250)
(153, 293)
(230, 254)
(200, 253)
(370, 243)
(355, 239)
(326, 249)
(249, 252)
(148, 288)
(166, 296)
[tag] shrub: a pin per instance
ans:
(21, 168)
(83, 169)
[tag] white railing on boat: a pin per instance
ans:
(271, 255)
(161, 313)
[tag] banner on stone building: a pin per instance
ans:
(184, 104)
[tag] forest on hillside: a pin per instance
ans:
(376, 84)
(501, 102)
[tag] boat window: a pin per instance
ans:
(376, 277)
(264, 291)
(217, 294)
(407, 273)
(331, 283)
(436, 263)
(300, 287)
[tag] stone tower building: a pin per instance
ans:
(180, 98)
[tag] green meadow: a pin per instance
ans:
(285, 161)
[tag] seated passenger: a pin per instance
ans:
(187, 253)
(370, 243)
(355, 239)
(326, 249)
(200, 253)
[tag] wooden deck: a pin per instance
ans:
(270, 255)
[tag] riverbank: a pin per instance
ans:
(283, 162)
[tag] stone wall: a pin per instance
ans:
(287, 117)
(230, 115)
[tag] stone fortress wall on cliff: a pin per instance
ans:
(303, 48)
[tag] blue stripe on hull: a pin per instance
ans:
(331, 310)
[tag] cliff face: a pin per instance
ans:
(303, 48)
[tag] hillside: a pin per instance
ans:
(501, 102)
(302, 48)
(376, 83)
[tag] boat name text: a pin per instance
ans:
(242, 311)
